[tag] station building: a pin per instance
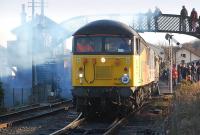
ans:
(37, 60)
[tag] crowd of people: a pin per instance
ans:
(189, 72)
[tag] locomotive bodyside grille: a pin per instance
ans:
(103, 72)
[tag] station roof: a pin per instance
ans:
(106, 27)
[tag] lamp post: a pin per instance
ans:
(169, 38)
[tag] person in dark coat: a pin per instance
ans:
(184, 14)
(149, 18)
(193, 68)
(193, 20)
(184, 72)
(166, 75)
(179, 73)
(157, 13)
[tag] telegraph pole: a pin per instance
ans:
(42, 7)
(33, 4)
(33, 9)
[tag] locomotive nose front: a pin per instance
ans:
(102, 71)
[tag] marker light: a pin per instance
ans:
(125, 79)
(80, 75)
(103, 60)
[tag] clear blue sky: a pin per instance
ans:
(60, 10)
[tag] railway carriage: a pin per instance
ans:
(113, 68)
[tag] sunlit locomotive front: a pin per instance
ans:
(111, 69)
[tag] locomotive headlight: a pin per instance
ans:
(103, 60)
(80, 75)
(125, 79)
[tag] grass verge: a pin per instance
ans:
(185, 118)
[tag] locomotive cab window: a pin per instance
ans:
(88, 44)
(102, 44)
(117, 44)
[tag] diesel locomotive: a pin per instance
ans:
(113, 68)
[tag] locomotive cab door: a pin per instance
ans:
(137, 62)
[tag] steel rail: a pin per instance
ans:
(33, 109)
(27, 118)
(122, 121)
(15, 122)
(74, 124)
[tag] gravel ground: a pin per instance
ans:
(149, 121)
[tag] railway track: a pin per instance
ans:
(42, 125)
(15, 109)
(15, 118)
(148, 119)
(123, 121)
(151, 120)
(98, 126)
(85, 126)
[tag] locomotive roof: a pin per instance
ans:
(106, 27)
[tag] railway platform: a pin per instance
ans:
(164, 87)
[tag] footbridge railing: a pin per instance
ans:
(165, 23)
